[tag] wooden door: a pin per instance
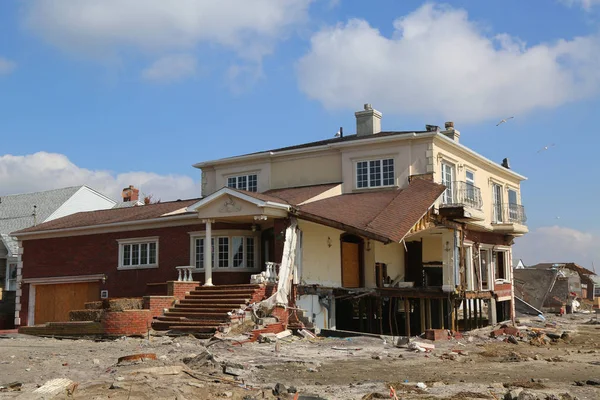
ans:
(53, 302)
(350, 265)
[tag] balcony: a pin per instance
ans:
(462, 200)
(510, 218)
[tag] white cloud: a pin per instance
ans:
(558, 244)
(105, 27)
(6, 66)
(45, 171)
(171, 68)
(437, 63)
(585, 4)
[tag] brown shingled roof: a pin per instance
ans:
(103, 217)
(386, 214)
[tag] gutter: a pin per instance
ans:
(100, 226)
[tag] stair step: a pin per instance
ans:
(182, 320)
(211, 301)
(248, 286)
(222, 316)
(215, 297)
(165, 326)
(192, 328)
(224, 293)
(220, 310)
(227, 307)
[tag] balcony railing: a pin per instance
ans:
(509, 213)
(462, 194)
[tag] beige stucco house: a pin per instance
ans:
(398, 231)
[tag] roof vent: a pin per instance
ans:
(506, 163)
(432, 128)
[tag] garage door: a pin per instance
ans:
(53, 302)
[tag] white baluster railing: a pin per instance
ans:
(271, 272)
(184, 273)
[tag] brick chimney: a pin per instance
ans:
(450, 132)
(368, 121)
(130, 194)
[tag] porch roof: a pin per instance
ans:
(384, 215)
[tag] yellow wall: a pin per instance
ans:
(321, 264)
(433, 248)
(391, 254)
(313, 170)
(485, 175)
(410, 158)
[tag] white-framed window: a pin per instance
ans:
(232, 252)
(138, 253)
(470, 181)
(484, 264)
(11, 276)
(375, 173)
(448, 181)
(497, 198)
(243, 182)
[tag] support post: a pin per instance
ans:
(361, 315)
(442, 314)
(208, 253)
(428, 305)
(480, 313)
(422, 314)
(407, 317)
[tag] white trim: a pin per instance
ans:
(230, 234)
(369, 160)
(31, 306)
(63, 279)
(138, 241)
(234, 193)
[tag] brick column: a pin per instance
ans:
(179, 289)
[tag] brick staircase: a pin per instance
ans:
(204, 309)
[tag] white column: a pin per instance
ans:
(208, 253)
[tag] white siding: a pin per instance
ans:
(85, 199)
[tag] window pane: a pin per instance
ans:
(135, 254)
(200, 253)
(127, 254)
(388, 172)
(512, 197)
(231, 182)
(250, 252)
(144, 253)
(362, 179)
(374, 173)
(470, 177)
(152, 253)
(238, 251)
(223, 252)
(447, 180)
(242, 182)
(252, 183)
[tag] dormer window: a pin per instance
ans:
(375, 173)
(243, 182)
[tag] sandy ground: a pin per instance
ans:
(325, 368)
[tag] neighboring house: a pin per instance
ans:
(397, 232)
(21, 211)
(581, 280)
(520, 265)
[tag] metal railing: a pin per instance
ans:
(462, 194)
(509, 213)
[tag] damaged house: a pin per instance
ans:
(380, 231)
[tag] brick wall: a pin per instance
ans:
(126, 323)
(180, 289)
(282, 314)
(265, 291)
(98, 254)
(157, 304)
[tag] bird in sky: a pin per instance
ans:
(546, 147)
(503, 121)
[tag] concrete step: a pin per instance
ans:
(165, 326)
(214, 297)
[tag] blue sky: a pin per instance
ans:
(110, 93)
